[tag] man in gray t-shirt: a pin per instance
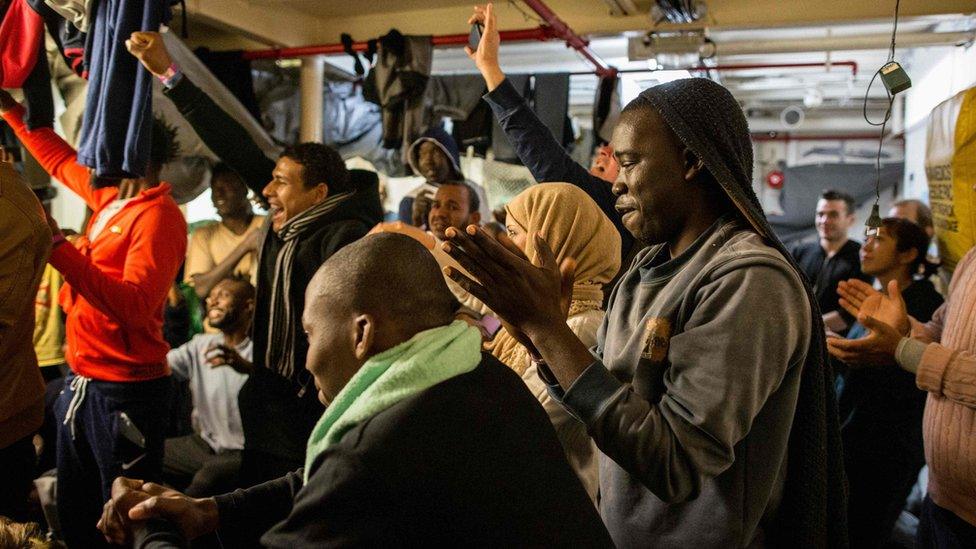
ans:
(216, 366)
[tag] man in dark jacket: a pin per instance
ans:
(882, 407)
(539, 150)
(833, 257)
(465, 457)
(316, 207)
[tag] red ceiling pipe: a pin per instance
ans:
(742, 67)
(520, 35)
(573, 40)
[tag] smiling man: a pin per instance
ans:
(833, 257)
(208, 462)
(706, 393)
(228, 247)
(316, 208)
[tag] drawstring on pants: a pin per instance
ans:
(79, 386)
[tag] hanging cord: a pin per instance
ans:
(874, 221)
(527, 15)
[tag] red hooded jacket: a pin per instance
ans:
(117, 284)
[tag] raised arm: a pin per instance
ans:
(534, 144)
(218, 130)
(53, 153)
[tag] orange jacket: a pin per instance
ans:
(116, 285)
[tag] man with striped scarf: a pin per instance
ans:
(317, 207)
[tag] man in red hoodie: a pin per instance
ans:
(112, 411)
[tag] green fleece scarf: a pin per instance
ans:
(426, 359)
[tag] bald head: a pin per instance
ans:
(368, 297)
(389, 276)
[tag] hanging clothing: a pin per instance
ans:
(75, 12)
(69, 39)
(117, 128)
(458, 97)
(606, 107)
(397, 83)
(38, 98)
(548, 97)
(234, 72)
(351, 124)
(454, 96)
(21, 36)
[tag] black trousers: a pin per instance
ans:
(940, 528)
(192, 466)
(17, 465)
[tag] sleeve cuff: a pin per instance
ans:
(15, 117)
(591, 392)
(909, 353)
(504, 97)
(932, 367)
(183, 93)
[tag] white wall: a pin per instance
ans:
(937, 74)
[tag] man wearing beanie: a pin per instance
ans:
(706, 392)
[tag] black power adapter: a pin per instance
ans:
(895, 78)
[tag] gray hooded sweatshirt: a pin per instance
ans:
(692, 395)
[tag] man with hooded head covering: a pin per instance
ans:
(706, 392)
(435, 157)
(572, 225)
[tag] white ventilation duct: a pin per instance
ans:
(645, 47)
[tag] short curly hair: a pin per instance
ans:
(165, 145)
(322, 164)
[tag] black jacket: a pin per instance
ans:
(472, 461)
(278, 414)
(824, 274)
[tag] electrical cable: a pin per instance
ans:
(874, 221)
(527, 15)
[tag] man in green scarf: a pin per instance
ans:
(425, 440)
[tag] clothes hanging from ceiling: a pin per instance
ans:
(120, 90)
(21, 37)
(553, 89)
(459, 98)
(76, 12)
(397, 83)
(69, 38)
(234, 72)
(38, 98)
(606, 107)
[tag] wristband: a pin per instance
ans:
(171, 75)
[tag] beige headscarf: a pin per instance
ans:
(573, 226)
